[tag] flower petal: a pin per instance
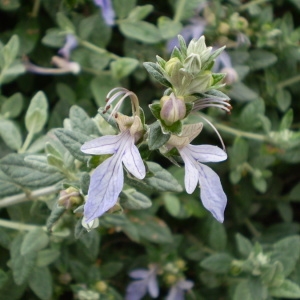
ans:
(211, 193)
(133, 161)
(185, 284)
(175, 293)
(191, 175)
(207, 153)
(139, 273)
(108, 144)
(106, 185)
(136, 290)
(153, 286)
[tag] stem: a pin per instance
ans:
(36, 8)
(97, 49)
(254, 2)
(12, 200)
(251, 228)
(26, 142)
(288, 82)
(179, 10)
(236, 132)
(19, 226)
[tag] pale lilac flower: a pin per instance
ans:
(107, 10)
(146, 282)
(211, 191)
(108, 178)
(223, 65)
(70, 44)
(178, 289)
(64, 66)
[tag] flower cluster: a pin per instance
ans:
(192, 86)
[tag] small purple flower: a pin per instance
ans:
(108, 179)
(223, 64)
(177, 290)
(211, 191)
(107, 10)
(70, 44)
(146, 282)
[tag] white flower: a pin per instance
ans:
(211, 191)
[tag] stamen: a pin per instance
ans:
(216, 131)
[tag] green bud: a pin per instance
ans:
(193, 64)
(172, 109)
(173, 65)
(69, 197)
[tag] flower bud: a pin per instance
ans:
(101, 286)
(172, 109)
(231, 75)
(173, 65)
(90, 225)
(69, 197)
(193, 63)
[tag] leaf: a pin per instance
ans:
(168, 28)
(36, 115)
(217, 236)
(154, 71)
(239, 91)
(156, 137)
(172, 204)
(21, 265)
(242, 291)
(257, 289)
(64, 23)
(218, 263)
(286, 120)
(132, 199)
(40, 163)
(123, 67)
(261, 59)
(47, 257)
(294, 194)
(22, 172)
(10, 50)
(244, 245)
(287, 289)
(56, 213)
(141, 31)
(152, 229)
(34, 241)
(162, 180)
(73, 142)
(10, 134)
(122, 10)
(100, 86)
(287, 251)
(81, 122)
(140, 12)
(7, 187)
(40, 282)
(12, 106)
(283, 99)
(110, 269)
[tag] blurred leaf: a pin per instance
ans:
(64, 23)
(287, 251)
(168, 28)
(132, 199)
(260, 59)
(283, 99)
(56, 213)
(218, 263)
(10, 50)
(172, 204)
(244, 245)
(34, 241)
(123, 67)
(22, 265)
(40, 282)
(10, 134)
(217, 236)
(140, 30)
(154, 71)
(12, 106)
(123, 10)
(140, 12)
(152, 228)
(294, 194)
(7, 187)
(110, 269)
(257, 289)
(242, 291)
(287, 289)
(46, 257)
(100, 86)
(240, 92)
(287, 120)
(9, 5)
(37, 113)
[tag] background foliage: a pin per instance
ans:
(45, 253)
